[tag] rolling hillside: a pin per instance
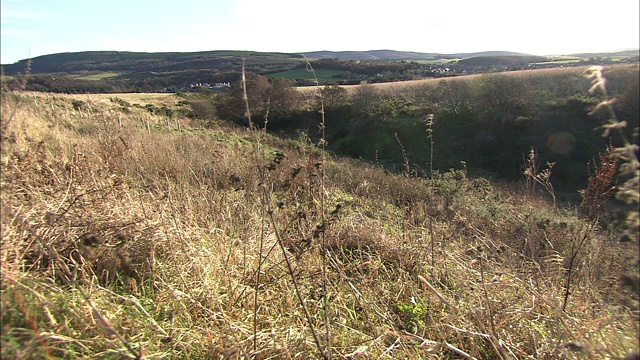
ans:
(124, 61)
(128, 234)
(137, 62)
(392, 55)
(115, 71)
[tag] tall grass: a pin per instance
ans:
(188, 243)
(628, 191)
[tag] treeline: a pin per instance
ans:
(154, 72)
(376, 71)
(139, 82)
(161, 78)
(141, 72)
(132, 62)
(64, 84)
(176, 74)
(490, 121)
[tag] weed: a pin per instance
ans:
(533, 175)
(601, 183)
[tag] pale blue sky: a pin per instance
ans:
(540, 27)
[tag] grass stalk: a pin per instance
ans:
(405, 158)
(323, 235)
(576, 245)
(429, 122)
(267, 208)
(263, 208)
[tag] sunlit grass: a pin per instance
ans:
(161, 225)
(99, 76)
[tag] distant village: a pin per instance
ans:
(221, 86)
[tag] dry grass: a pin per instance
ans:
(124, 241)
(412, 85)
(400, 86)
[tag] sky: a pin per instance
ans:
(31, 28)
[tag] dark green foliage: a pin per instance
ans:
(490, 123)
(628, 105)
(501, 98)
(125, 61)
(146, 72)
(364, 101)
(66, 84)
(203, 109)
(334, 97)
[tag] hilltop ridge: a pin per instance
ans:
(123, 71)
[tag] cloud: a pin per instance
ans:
(21, 33)
(43, 48)
(17, 11)
(9, 14)
(125, 44)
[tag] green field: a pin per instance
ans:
(133, 96)
(99, 76)
(324, 75)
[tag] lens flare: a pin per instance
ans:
(561, 143)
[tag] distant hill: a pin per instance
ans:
(221, 60)
(374, 55)
(124, 61)
(227, 60)
(635, 52)
(502, 60)
(392, 55)
(123, 71)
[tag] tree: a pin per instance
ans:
(364, 100)
(503, 98)
(334, 97)
(258, 94)
(454, 95)
(278, 100)
(285, 99)
(232, 107)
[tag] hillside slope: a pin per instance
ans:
(125, 61)
(127, 233)
(116, 71)
(136, 62)
(393, 55)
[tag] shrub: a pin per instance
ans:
(79, 105)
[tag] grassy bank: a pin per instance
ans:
(125, 235)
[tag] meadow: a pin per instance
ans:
(132, 233)
(98, 76)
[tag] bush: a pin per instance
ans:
(79, 105)
(203, 109)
